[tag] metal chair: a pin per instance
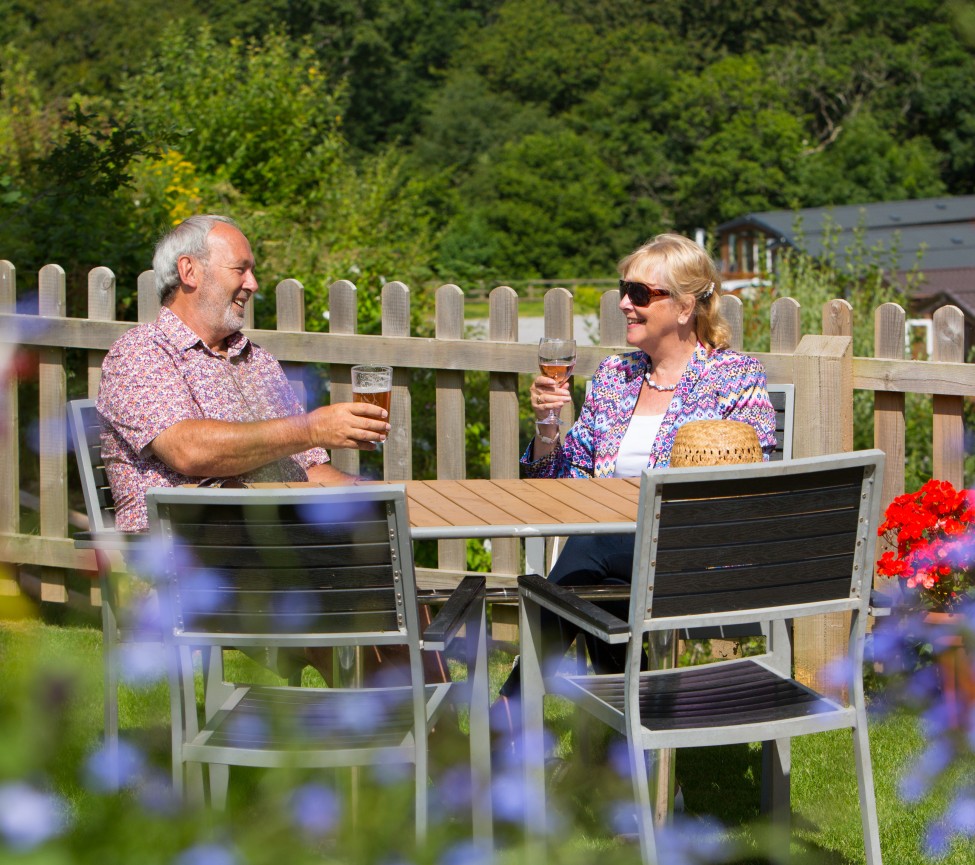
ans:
(308, 567)
(108, 545)
(783, 398)
(775, 541)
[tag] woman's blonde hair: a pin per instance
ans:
(685, 269)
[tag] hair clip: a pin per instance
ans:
(705, 295)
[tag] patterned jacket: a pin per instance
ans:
(716, 384)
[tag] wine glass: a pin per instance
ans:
(556, 359)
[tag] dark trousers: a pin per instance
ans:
(585, 560)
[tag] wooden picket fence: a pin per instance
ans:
(821, 366)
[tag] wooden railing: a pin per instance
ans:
(821, 366)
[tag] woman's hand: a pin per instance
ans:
(547, 396)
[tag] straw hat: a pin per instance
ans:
(715, 442)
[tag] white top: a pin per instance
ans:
(635, 448)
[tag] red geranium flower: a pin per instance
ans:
(933, 531)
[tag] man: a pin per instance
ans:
(189, 397)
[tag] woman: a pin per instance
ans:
(682, 370)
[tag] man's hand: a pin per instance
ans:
(348, 425)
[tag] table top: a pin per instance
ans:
(441, 509)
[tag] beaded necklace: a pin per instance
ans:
(660, 387)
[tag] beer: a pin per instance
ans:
(373, 384)
(374, 397)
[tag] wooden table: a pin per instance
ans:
(444, 509)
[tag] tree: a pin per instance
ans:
(544, 206)
(86, 48)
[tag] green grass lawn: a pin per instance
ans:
(51, 695)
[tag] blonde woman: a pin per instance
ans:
(682, 370)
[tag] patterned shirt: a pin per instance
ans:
(161, 373)
(716, 384)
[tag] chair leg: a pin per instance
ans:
(868, 801)
(219, 774)
(480, 734)
(777, 782)
(641, 798)
(110, 659)
(532, 720)
(421, 794)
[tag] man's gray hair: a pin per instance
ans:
(187, 238)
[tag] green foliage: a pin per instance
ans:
(260, 116)
(84, 166)
(535, 199)
(86, 48)
(604, 122)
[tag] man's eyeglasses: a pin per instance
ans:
(640, 294)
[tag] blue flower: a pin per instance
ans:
(467, 853)
(29, 817)
(109, 768)
(316, 809)
(206, 854)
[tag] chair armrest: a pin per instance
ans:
(454, 613)
(569, 605)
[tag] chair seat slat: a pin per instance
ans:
(701, 698)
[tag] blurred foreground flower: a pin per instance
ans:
(914, 652)
(29, 817)
(207, 854)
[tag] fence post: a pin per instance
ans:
(101, 307)
(451, 416)
(889, 428)
(785, 324)
(504, 426)
(559, 324)
(398, 449)
(9, 424)
(948, 445)
(612, 322)
(10, 416)
(342, 318)
(824, 424)
(837, 318)
(289, 298)
(731, 308)
(148, 297)
(52, 436)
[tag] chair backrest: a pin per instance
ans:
(733, 544)
(86, 433)
(783, 397)
(248, 566)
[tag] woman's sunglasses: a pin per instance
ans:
(640, 294)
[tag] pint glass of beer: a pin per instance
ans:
(372, 384)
